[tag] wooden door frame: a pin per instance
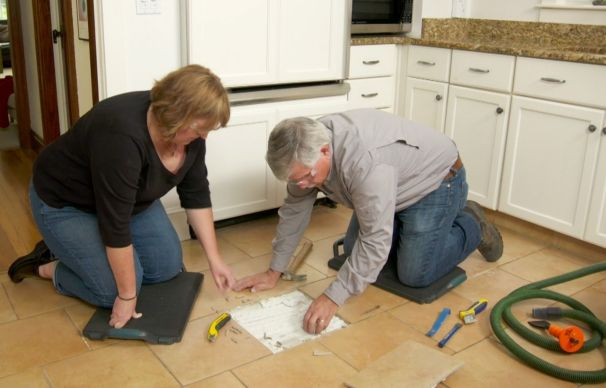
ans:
(19, 74)
(46, 68)
(47, 82)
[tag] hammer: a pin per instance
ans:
(289, 274)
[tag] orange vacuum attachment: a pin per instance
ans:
(571, 338)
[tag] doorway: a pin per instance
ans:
(57, 64)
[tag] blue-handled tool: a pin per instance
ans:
(438, 323)
(447, 337)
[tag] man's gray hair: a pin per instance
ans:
(298, 139)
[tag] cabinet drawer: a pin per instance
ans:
(482, 70)
(372, 92)
(372, 61)
(577, 83)
(429, 63)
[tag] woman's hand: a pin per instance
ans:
(122, 312)
(222, 275)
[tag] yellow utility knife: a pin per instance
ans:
(469, 316)
(216, 325)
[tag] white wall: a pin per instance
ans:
(83, 73)
(437, 8)
(520, 10)
(134, 50)
(31, 67)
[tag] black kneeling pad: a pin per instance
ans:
(165, 307)
(388, 280)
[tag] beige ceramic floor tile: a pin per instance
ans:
(600, 286)
(122, 365)
(80, 314)
(371, 302)
(326, 222)
(297, 367)
(550, 262)
(210, 300)
(592, 299)
(320, 254)
(365, 341)
(343, 211)
(422, 317)
(6, 310)
(35, 296)
(254, 237)
(224, 380)
(194, 257)
(31, 378)
(516, 245)
(194, 358)
(37, 341)
(488, 364)
(492, 285)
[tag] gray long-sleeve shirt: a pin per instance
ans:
(381, 164)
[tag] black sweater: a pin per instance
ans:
(107, 165)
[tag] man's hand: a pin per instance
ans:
(122, 312)
(319, 314)
(258, 282)
(222, 275)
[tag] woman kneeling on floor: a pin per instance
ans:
(95, 193)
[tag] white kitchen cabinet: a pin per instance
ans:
(425, 102)
(477, 122)
(313, 42)
(596, 222)
(372, 78)
(237, 39)
(258, 42)
(240, 180)
(550, 161)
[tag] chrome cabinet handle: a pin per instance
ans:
(438, 97)
(371, 62)
(369, 95)
(591, 128)
(476, 70)
(553, 80)
(427, 63)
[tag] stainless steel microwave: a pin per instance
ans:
(381, 16)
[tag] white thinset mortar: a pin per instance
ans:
(278, 322)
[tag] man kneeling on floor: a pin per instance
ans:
(406, 185)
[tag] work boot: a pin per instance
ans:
(27, 266)
(491, 245)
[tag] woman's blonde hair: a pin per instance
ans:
(188, 93)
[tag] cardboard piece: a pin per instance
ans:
(409, 365)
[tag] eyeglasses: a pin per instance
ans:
(306, 179)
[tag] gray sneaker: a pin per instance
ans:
(491, 245)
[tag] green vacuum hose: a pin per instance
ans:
(502, 311)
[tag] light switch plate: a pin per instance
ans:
(148, 7)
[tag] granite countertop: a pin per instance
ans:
(565, 42)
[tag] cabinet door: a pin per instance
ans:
(596, 224)
(240, 180)
(550, 162)
(237, 39)
(477, 122)
(425, 102)
(313, 40)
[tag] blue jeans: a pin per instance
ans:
(83, 270)
(432, 236)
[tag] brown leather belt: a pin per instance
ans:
(455, 167)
